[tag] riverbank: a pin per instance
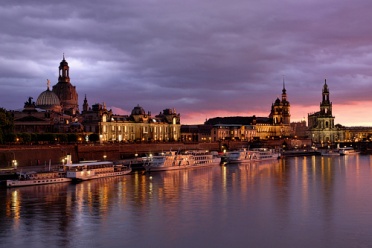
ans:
(43, 155)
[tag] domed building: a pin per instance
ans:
(65, 91)
(56, 111)
(139, 115)
(48, 100)
(43, 116)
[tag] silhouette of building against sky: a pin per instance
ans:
(245, 128)
(323, 130)
(57, 111)
(321, 124)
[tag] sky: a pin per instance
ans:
(204, 58)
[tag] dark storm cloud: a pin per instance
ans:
(205, 57)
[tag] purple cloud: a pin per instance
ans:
(204, 58)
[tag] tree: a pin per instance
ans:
(6, 125)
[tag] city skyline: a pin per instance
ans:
(203, 58)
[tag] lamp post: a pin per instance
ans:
(14, 161)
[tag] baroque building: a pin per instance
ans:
(137, 127)
(280, 110)
(65, 91)
(248, 128)
(45, 115)
(321, 124)
(57, 111)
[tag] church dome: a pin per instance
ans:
(138, 111)
(48, 100)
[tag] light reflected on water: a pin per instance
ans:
(294, 202)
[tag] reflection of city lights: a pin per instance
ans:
(16, 205)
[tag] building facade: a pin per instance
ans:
(248, 128)
(321, 124)
(65, 91)
(139, 126)
(57, 111)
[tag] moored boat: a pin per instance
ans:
(37, 178)
(203, 157)
(347, 151)
(176, 160)
(94, 170)
(253, 155)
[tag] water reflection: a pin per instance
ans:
(301, 201)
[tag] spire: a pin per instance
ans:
(325, 87)
(48, 84)
(85, 104)
(284, 90)
(63, 56)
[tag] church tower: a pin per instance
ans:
(325, 105)
(322, 124)
(85, 104)
(286, 116)
(280, 110)
(65, 91)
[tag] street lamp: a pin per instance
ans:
(14, 161)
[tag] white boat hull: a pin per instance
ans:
(248, 156)
(181, 167)
(21, 183)
(348, 151)
(188, 160)
(88, 175)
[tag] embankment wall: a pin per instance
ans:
(41, 154)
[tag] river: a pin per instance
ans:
(293, 202)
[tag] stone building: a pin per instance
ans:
(280, 110)
(57, 111)
(244, 128)
(276, 125)
(44, 116)
(321, 124)
(65, 91)
(139, 126)
(196, 133)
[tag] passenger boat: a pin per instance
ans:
(202, 157)
(348, 151)
(38, 178)
(247, 155)
(175, 160)
(93, 170)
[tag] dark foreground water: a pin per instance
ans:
(295, 202)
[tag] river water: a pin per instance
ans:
(294, 202)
